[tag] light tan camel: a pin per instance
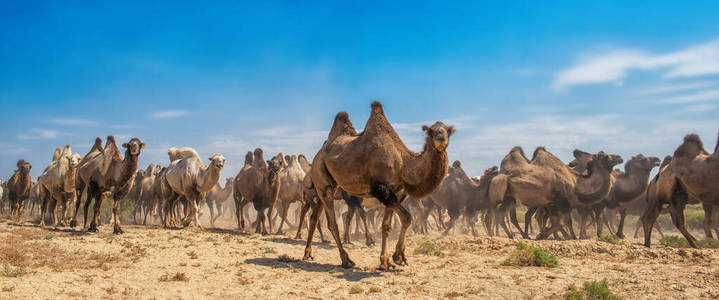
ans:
(190, 178)
(57, 184)
(692, 173)
(104, 171)
(376, 163)
(217, 197)
(147, 200)
(291, 187)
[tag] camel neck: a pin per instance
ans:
(586, 185)
(208, 178)
(424, 172)
(128, 168)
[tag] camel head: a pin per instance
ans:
(248, 158)
(492, 171)
(218, 160)
(74, 160)
(581, 159)
(158, 169)
(691, 147)
(605, 161)
(24, 167)
(229, 181)
(275, 164)
(439, 135)
(134, 146)
(642, 163)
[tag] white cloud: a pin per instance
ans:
(73, 122)
(700, 108)
(168, 114)
(674, 88)
(40, 134)
(706, 95)
(615, 65)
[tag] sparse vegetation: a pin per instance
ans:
(608, 238)
(453, 294)
(269, 250)
(594, 290)
(526, 255)
(356, 290)
(709, 243)
(285, 258)
(374, 289)
(428, 248)
(179, 276)
(674, 241)
(9, 271)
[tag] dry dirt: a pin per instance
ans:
(151, 262)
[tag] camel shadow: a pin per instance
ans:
(290, 241)
(71, 231)
(336, 271)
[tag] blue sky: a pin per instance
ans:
(622, 77)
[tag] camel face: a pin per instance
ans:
(642, 162)
(219, 160)
(275, 164)
(606, 160)
(24, 167)
(134, 146)
(74, 160)
(439, 135)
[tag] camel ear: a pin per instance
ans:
(125, 145)
(142, 146)
(425, 128)
(451, 130)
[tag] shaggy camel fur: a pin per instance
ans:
(258, 182)
(547, 182)
(103, 171)
(376, 163)
(188, 177)
(57, 184)
(692, 172)
(217, 197)
(18, 188)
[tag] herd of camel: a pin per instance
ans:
(373, 170)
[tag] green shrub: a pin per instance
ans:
(674, 241)
(428, 248)
(356, 290)
(8, 270)
(598, 290)
(285, 258)
(608, 238)
(526, 255)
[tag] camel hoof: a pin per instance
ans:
(298, 237)
(73, 223)
(386, 266)
(370, 243)
(92, 230)
(399, 259)
(279, 232)
(620, 236)
(308, 255)
(348, 264)
(118, 231)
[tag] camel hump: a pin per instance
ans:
(377, 108)
(248, 158)
(686, 150)
(97, 146)
(341, 126)
(56, 155)
(67, 151)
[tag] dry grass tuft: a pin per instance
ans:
(178, 276)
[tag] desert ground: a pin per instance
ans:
(151, 262)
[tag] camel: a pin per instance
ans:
(692, 173)
(258, 182)
(105, 171)
(458, 193)
(57, 184)
(135, 191)
(2, 195)
(146, 198)
(18, 188)
(357, 205)
(376, 163)
(156, 200)
(291, 187)
(188, 177)
(216, 198)
(547, 182)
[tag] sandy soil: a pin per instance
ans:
(216, 263)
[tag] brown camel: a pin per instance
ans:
(217, 197)
(135, 191)
(376, 163)
(692, 173)
(57, 184)
(547, 182)
(18, 188)
(190, 178)
(146, 197)
(104, 170)
(291, 187)
(258, 182)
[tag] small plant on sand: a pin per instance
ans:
(526, 255)
(453, 294)
(607, 238)
(674, 241)
(285, 258)
(179, 276)
(428, 248)
(9, 271)
(709, 243)
(269, 250)
(356, 290)
(374, 289)
(598, 290)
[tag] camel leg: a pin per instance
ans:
(53, 207)
(269, 222)
(211, 206)
(196, 210)
(405, 219)
(239, 207)
(386, 228)
(260, 221)
(515, 221)
(301, 219)
(96, 210)
(44, 198)
(79, 188)
(332, 225)
(583, 213)
(707, 220)
(64, 216)
(347, 217)
(285, 207)
(502, 221)
(677, 212)
(636, 228)
(649, 217)
(620, 227)
(488, 216)
(453, 215)
(116, 214)
(528, 220)
(368, 235)
(555, 225)
(314, 220)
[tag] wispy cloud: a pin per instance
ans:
(72, 122)
(168, 114)
(615, 65)
(40, 134)
(699, 96)
(664, 89)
